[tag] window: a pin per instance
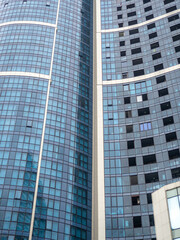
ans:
(147, 142)
(176, 38)
(132, 22)
(128, 114)
(123, 53)
(175, 153)
(145, 126)
(134, 31)
(29, 124)
(175, 27)
(151, 177)
(149, 198)
(130, 6)
(119, 8)
(124, 75)
(146, 1)
(156, 56)
(138, 73)
(165, 106)
(149, 159)
(122, 43)
(134, 180)
(127, 100)
(119, 16)
(129, 128)
(168, 1)
(143, 111)
(160, 79)
(120, 25)
(175, 172)
(48, 4)
(177, 49)
(173, 18)
(158, 67)
(135, 200)
(171, 9)
(132, 161)
(151, 220)
(24, 1)
(135, 40)
(121, 34)
(154, 45)
(136, 50)
(149, 17)
(168, 121)
(163, 92)
(152, 35)
(171, 137)
(130, 144)
(137, 61)
(147, 9)
(131, 14)
(137, 222)
(150, 26)
(126, 87)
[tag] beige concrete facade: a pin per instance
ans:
(161, 213)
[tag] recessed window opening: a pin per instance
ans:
(149, 159)
(175, 153)
(149, 198)
(151, 177)
(137, 222)
(165, 106)
(154, 45)
(143, 111)
(134, 180)
(163, 92)
(158, 67)
(135, 200)
(171, 137)
(130, 144)
(175, 172)
(160, 79)
(136, 51)
(129, 128)
(132, 161)
(168, 120)
(147, 142)
(127, 100)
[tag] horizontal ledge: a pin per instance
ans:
(25, 74)
(28, 22)
(143, 77)
(140, 24)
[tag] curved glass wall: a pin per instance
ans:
(46, 119)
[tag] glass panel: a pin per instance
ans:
(174, 212)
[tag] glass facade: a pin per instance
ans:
(46, 119)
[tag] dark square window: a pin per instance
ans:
(147, 9)
(124, 75)
(146, 1)
(171, 137)
(122, 43)
(152, 35)
(130, 144)
(176, 38)
(175, 27)
(134, 31)
(175, 153)
(170, 9)
(173, 18)
(154, 45)
(163, 92)
(134, 180)
(137, 222)
(129, 128)
(132, 161)
(127, 100)
(144, 97)
(160, 79)
(150, 26)
(151, 220)
(151, 177)
(158, 67)
(175, 172)
(168, 1)
(135, 200)
(136, 50)
(134, 40)
(128, 114)
(123, 53)
(143, 111)
(147, 142)
(177, 49)
(156, 56)
(138, 72)
(120, 25)
(132, 22)
(119, 16)
(149, 159)
(119, 8)
(131, 14)
(165, 106)
(130, 6)
(137, 61)
(168, 120)
(149, 17)
(149, 198)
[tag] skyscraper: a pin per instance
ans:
(136, 113)
(46, 119)
(82, 75)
